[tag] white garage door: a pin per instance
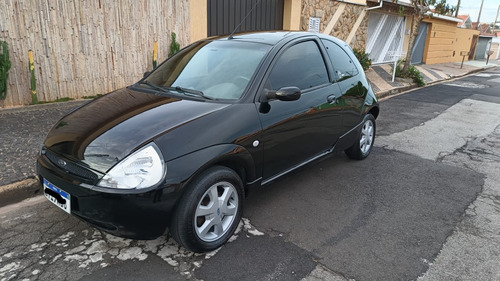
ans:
(385, 37)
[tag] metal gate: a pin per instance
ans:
(483, 46)
(419, 46)
(385, 37)
(225, 15)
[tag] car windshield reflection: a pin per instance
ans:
(217, 69)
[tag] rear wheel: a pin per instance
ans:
(364, 142)
(209, 211)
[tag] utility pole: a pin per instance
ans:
(458, 7)
(479, 17)
(495, 22)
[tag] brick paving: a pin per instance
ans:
(22, 131)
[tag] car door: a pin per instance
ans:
(297, 131)
(347, 76)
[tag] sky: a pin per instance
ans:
(471, 7)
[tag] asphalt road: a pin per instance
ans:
(425, 205)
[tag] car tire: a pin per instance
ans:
(364, 141)
(209, 211)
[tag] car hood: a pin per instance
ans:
(101, 133)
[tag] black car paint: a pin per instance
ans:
(194, 134)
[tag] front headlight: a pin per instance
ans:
(143, 168)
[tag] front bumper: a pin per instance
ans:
(126, 214)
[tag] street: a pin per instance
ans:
(425, 205)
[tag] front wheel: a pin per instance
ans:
(209, 211)
(364, 142)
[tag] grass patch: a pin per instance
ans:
(413, 73)
(92, 97)
(57, 100)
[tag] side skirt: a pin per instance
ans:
(344, 142)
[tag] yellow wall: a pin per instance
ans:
(440, 42)
(198, 19)
(463, 40)
(291, 15)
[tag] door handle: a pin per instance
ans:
(331, 99)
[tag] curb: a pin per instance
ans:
(19, 191)
(394, 91)
(30, 107)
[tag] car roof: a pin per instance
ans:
(265, 37)
(274, 37)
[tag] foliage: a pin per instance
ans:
(57, 100)
(31, 66)
(363, 58)
(413, 73)
(174, 45)
(4, 69)
(91, 97)
(443, 8)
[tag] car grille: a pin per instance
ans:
(70, 167)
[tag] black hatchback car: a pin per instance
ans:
(180, 148)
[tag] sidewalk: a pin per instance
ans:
(23, 129)
(380, 75)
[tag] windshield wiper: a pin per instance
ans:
(189, 91)
(153, 86)
(177, 89)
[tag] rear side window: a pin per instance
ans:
(342, 63)
(301, 66)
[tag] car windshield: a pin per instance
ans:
(214, 69)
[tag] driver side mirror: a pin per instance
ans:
(283, 94)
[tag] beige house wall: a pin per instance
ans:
(462, 43)
(445, 41)
(291, 15)
(198, 20)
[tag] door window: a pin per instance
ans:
(301, 66)
(341, 61)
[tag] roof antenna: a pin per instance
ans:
(238, 26)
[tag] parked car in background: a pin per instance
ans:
(180, 148)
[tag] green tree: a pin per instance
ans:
(4, 71)
(174, 45)
(422, 7)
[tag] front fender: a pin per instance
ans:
(183, 169)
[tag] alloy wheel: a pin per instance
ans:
(216, 211)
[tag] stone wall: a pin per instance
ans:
(326, 9)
